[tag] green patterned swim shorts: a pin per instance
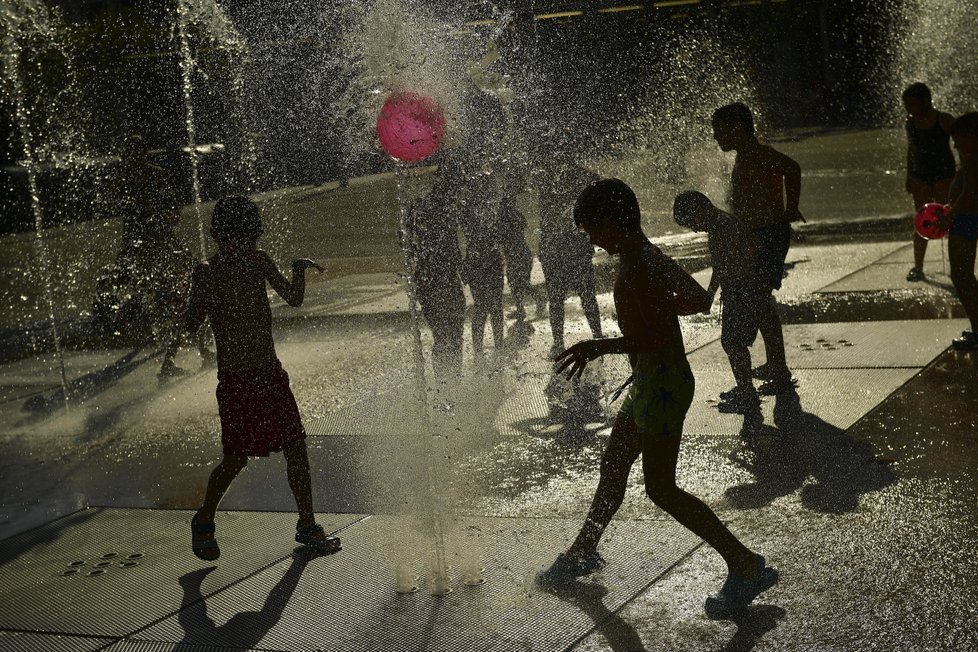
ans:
(659, 398)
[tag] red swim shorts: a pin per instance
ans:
(258, 411)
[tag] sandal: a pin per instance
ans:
(738, 591)
(206, 549)
(315, 538)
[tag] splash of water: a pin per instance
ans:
(934, 43)
(32, 21)
(204, 24)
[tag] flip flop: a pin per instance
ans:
(738, 591)
(315, 538)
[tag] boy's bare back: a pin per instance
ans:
(650, 293)
(757, 186)
(229, 290)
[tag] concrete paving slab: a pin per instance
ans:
(110, 572)
(889, 272)
(842, 345)
(349, 603)
(29, 642)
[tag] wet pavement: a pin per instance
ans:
(861, 492)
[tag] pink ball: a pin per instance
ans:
(410, 126)
(926, 221)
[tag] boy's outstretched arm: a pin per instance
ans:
(690, 296)
(293, 291)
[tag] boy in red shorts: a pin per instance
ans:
(258, 412)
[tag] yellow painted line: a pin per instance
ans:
(614, 10)
(676, 3)
(561, 14)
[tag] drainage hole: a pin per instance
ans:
(135, 555)
(77, 563)
(103, 564)
(70, 571)
(97, 571)
(110, 555)
(129, 564)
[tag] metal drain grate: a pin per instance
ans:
(349, 602)
(29, 642)
(107, 598)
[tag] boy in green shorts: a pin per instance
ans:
(651, 291)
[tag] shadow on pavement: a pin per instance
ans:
(243, 629)
(20, 544)
(829, 467)
(752, 624)
(588, 597)
(85, 387)
(575, 414)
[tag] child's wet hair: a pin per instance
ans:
(966, 125)
(918, 91)
(236, 219)
(611, 198)
(737, 113)
(687, 204)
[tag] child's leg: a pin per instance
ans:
(297, 469)
(555, 300)
(922, 193)
(221, 478)
(446, 348)
(589, 303)
(479, 315)
(497, 322)
(773, 336)
(616, 463)
(961, 251)
(659, 456)
(739, 357)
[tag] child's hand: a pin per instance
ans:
(302, 264)
(577, 357)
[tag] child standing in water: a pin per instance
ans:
(565, 252)
(762, 181)
(733, 254)
(930, 162)
(963, 220)
(258, 411)
(651, 291)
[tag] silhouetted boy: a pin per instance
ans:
(963, 218)
(651, 291)
(761, 179)
(433, 228)
(734, 256)
(482, 269)
(565, 252)
(258, 411)
(930, 162)
(151, 255)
